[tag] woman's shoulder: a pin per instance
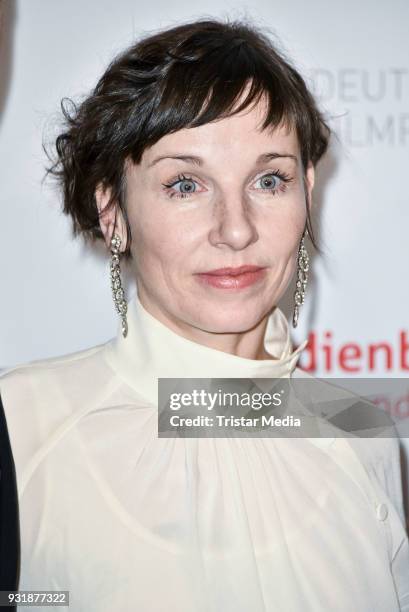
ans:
(34, 380)
(48, 363)
(40, 379)
(351, 419)
(55, 366)
(40, 396)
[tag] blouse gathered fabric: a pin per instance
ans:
(125, 520)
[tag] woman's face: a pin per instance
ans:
(224, 194)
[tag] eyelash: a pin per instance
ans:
(285, 179)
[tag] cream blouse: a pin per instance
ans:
(128, 521)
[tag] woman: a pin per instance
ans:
(193, 159)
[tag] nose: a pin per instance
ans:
(233, 223)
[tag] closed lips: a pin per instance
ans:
(233, 271)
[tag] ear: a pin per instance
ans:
(110, 221)
(309, 181)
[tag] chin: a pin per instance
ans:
(230, 318)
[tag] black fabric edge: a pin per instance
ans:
(10, 553)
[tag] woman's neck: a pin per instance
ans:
(248, 344)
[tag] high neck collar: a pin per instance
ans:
(152, 350)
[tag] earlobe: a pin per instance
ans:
(310, 176)
(110, 219)
(309, 181)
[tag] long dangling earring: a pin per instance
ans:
(303, 265)
(116, 284)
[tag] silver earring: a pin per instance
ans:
(303, 265)
(116, 284)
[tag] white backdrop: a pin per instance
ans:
(55, 294)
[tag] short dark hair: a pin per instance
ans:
(179, 77)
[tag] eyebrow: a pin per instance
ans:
(194, 159)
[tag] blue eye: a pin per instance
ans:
(273, 181)
(186, 186)
(183, 186)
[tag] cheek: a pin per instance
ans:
(158, 240)
(281, 232)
